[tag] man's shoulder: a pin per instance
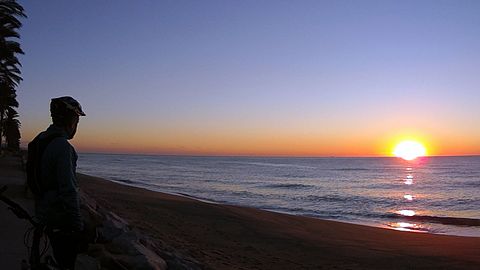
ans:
(44, 139)
(59, 146)
(60, 142)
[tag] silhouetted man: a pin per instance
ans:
(56, 200)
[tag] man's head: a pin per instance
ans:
(65, 112)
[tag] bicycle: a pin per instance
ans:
(35, 257)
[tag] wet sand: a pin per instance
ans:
(231, 237)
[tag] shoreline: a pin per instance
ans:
(438, 220)
(221, 236)
(378, 193)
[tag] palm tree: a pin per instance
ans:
(12, 130)
(9, 70)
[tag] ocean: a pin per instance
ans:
(438, 195)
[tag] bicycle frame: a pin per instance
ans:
(35, 256)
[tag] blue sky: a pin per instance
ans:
(251, 72)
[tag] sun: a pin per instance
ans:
(409, 150)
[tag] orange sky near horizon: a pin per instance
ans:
(255, 140)
(268, 145)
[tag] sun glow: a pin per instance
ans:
(409, 150)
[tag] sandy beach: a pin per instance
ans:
(233, 237)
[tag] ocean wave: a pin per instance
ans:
(457, 221)
(267, 164)
(345, 199)
(288, 185)
(471, 184)
(196, 198)
(126, 181)
(401, 226)
(352, 169)
(454, 203)
(291, 176)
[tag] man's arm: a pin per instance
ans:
(67, 185)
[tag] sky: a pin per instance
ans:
(270, 78)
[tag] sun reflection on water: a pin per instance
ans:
(407, 208)
(407, 227)
(408, 179)
(408, 213)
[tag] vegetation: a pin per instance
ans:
(10, 74)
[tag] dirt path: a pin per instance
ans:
(12, 249)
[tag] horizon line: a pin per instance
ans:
(264, 156)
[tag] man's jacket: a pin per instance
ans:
(58, 206)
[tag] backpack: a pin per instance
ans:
(34, 163)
